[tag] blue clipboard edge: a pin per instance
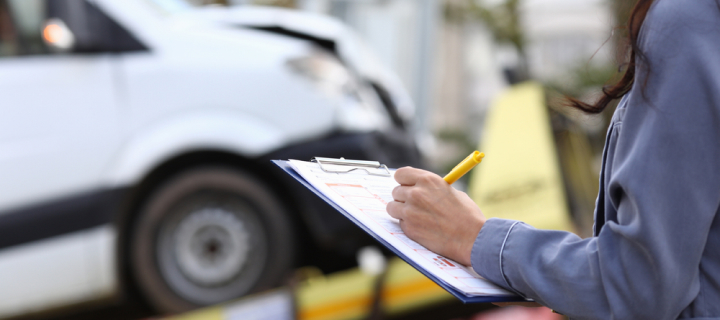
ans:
(462, 297)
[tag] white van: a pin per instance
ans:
(135, 139)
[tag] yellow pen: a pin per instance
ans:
(464, 167)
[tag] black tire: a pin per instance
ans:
(209, 235)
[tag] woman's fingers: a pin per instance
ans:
(395, 209)
(408, 176)
(400, 193)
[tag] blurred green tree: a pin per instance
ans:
(502, 19)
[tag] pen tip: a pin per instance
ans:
(478, 156)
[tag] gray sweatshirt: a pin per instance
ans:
(656, 250)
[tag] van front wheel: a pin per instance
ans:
(209, 235)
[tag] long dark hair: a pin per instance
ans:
(623, 86)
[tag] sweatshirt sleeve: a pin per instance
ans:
(664, 186)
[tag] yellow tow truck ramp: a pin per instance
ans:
(520, 178)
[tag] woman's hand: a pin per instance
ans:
(434, 214)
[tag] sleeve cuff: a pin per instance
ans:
(486, 256)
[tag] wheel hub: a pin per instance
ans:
(211, 246)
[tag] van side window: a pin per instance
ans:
(8, 38)
(29, 16)
(21, 26)
(22, 22)
(93, 29)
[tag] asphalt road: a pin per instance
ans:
(130, 309)
(133, 309)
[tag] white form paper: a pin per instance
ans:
(365, 197)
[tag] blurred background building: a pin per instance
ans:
(455, 56)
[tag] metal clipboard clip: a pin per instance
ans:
(346, 166)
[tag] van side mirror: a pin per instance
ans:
(57, 35)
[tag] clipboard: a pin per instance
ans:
(352, 165)
(331, 166)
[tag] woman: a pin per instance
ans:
(655, 253)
